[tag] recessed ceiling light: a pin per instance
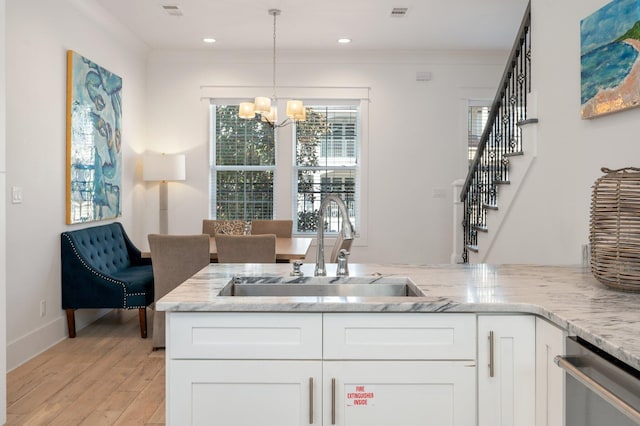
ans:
(344, 40)
(209, 40)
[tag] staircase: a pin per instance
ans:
(500, 164)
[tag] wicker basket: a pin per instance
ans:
(615, 229)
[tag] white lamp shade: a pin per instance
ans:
(294, 108)
(163, 167)
(271, 116)
(262, 104)
(302, 116)
(247, 110)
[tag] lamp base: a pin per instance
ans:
(164, 207)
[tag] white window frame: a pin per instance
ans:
(357, 168)
(214, 168)
(284, 196)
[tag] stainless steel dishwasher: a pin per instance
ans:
(600, 390)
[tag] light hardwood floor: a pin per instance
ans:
(107, 375)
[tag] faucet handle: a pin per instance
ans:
(343, 264)
(296, 269)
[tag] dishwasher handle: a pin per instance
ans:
(606, 394)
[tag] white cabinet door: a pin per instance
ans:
(242, 393)
(549, 377)
(399, 336)
(244, 335)
(407, 393)
(506, 370)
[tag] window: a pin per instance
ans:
(327, 150)
(478, 116)
(242, 166)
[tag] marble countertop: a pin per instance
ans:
(568, 296)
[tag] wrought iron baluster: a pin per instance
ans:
(501, 136)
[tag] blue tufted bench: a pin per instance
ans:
(101, 268)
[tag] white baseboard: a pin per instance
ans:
(39, 340)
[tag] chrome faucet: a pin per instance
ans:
(347, 230)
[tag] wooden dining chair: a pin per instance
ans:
(282, 228)
(174, 258)
(246, 248)
(340, 244)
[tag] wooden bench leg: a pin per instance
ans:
(142, 313)
(71, 323)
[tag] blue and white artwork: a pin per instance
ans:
(609, 58)
(94, 138)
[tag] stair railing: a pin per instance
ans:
(500, 139)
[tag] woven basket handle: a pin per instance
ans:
(624, 169)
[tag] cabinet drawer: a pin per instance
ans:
(230, 335)
(399, 336)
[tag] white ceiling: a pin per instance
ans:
(312, 24)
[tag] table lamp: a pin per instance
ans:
(163, 168)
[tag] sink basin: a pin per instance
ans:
(284, 286)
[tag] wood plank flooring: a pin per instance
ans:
(107, 375)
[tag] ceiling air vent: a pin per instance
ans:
(399, 12)
(172, 9)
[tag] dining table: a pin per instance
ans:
(287, 249)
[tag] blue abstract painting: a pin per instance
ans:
(94, 138)
(609, 58)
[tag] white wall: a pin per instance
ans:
(549, 220)
(3, 235)
(414, 146)
(39, 32)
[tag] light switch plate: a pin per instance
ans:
(16, 194)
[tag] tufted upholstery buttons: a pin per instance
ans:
(101, 268)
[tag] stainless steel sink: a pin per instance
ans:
(283, 286)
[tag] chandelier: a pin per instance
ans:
(266, 107)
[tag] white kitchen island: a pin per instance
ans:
(209, 346)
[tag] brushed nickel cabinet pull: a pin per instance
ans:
(491, 364)
(310, 400)
(333, 401)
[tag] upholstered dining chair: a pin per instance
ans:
(174, 259)
(340, 244)
(228, 227)
(246, 248)
(280, 227)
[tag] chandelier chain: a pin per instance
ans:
(263, 106)
(275, 13)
